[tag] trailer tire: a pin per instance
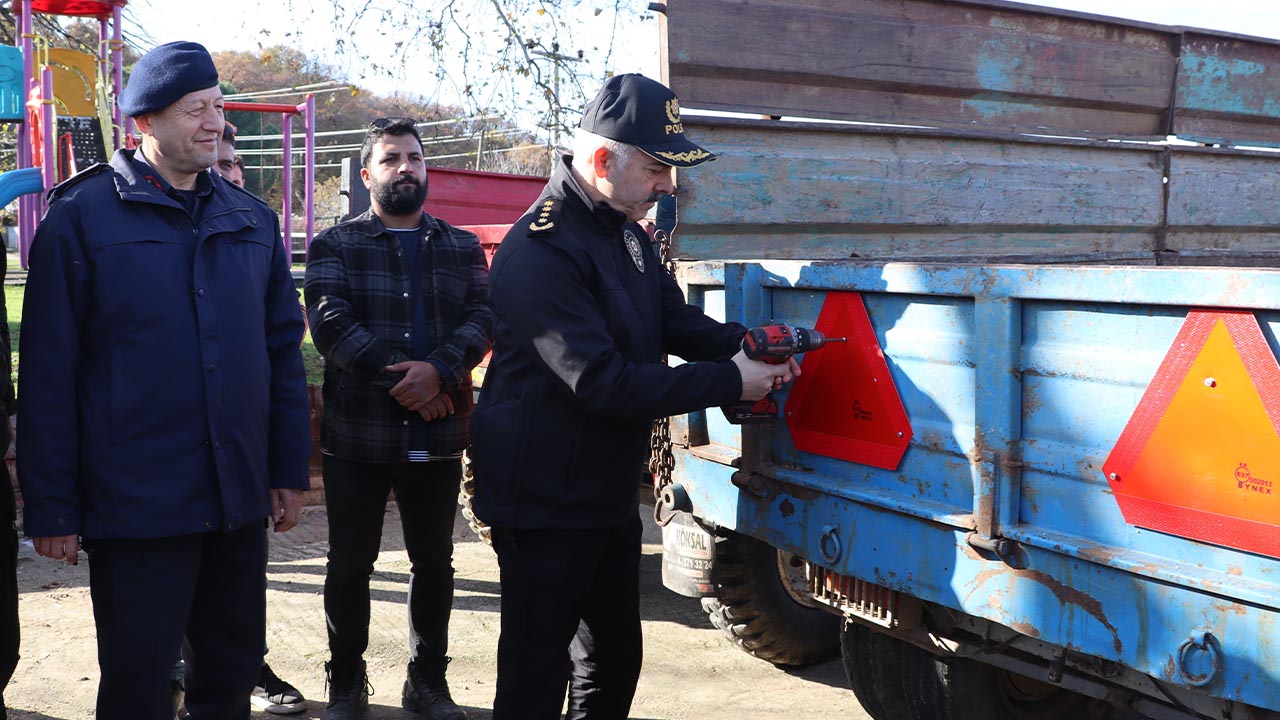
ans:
(873, 665)
(966, 689)
(466, 491)
(753, 608)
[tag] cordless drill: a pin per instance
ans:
(775, 344)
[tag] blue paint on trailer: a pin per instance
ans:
(1018, 381)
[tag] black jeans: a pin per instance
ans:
(355, 495)
(9, 630)
(570, 616)
(148, 593)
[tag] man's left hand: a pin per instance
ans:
(440, 406)
(420, 384)
(286, 503)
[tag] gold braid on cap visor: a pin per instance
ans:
(690, 156)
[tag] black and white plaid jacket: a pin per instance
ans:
(357, 294)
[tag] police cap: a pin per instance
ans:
(635, 110)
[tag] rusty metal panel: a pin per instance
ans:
(811, 191)
(994, 65)
(1223, 207)
(1049, 390)
(1228, 90)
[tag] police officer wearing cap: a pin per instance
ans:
(164, 408)
(585, 313)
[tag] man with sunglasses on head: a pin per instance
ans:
(398, 303)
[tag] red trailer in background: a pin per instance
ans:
(483, 202)
(490, 237)
(469, 197)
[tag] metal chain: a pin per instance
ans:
(662, 461)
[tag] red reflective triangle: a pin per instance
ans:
(845, 404)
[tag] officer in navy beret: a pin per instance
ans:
(164, 407)
(585, 315)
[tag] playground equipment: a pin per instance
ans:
(37, 93)
(66, 99)
(306, 109)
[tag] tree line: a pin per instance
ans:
(454, 136)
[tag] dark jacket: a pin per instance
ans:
(577, 377)
(162, 389)
(357, 290)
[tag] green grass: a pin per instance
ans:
(13, 303)
(312, 361)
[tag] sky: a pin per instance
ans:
(250, 24)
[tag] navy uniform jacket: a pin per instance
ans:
(562, 426)
(160, 378)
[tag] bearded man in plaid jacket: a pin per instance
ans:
(399, 307)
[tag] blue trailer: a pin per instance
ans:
(1037, 483)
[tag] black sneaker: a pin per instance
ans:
(427, 694)
(349, 690)
(275, 695)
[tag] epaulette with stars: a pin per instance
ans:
(548, 214)
(96, 169)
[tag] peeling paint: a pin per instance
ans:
(1026, 629)
(1220, 83)
(1231, 608)
(1064, 593)
(1101, 554)
(1031, 401)
(1074, 596)
(923, 487)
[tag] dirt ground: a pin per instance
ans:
(690, 670)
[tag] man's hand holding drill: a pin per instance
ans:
(759, 377)
(773, 346)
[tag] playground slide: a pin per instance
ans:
(19, 182)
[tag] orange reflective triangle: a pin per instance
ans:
(1200, 457)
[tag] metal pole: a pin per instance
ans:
(287, 173)
(104, 50)
(117, 72)
(27, 205)
(104, 75)
(49, 124)
(309, 174)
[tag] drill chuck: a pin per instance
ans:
(807, 340)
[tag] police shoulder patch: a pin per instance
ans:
(634, 248)
(548, 214)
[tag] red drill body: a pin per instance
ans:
(775, 344)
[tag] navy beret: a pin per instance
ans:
(166, 73)
(635, 110)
